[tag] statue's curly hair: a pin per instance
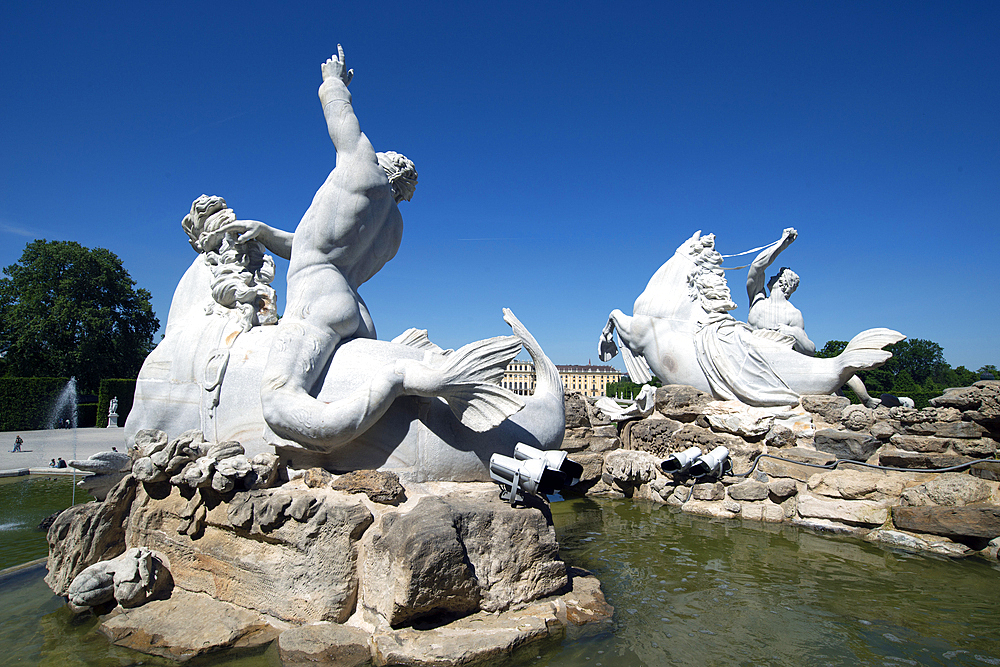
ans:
(402, 174)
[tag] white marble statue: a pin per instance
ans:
(319, 380)
(113, 407)
(775, 312)
(682, 332)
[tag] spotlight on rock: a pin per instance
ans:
(519, 477)
(714, 464)
(554, 460)
(681, 462)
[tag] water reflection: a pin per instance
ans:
(689, 590)
(24, 502)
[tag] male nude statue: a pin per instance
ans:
(351, 229)
(775, 312)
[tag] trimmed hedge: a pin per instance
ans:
(124, 390)
(25, 403)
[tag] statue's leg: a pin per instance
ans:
(858, 387)
(297, 357)
(323, 310)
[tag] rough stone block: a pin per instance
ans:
(856, 484)
(919, 443)
(326, 644)
(883, 430)
(829, 408)
(986, 470)
(380, 487)
(86, 534)
(981, 521)
(961, 398)
(187, 625)
(629, 467)
(863, 512)
(846, 444)
(738, 418)
(296, 571)
(576, 410)
(977, 448)
(709, 491)
(772, 513)
(681, 402)
(953, 488)
(415, 566)
(776, 468)
(782, 488)
(955, 429)
(748, 490)
(652, 435)
(780, 437)
(897, 458)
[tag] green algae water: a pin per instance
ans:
(24, 502)
(695, 591)
(687, 591)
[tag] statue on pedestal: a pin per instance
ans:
(318, 380)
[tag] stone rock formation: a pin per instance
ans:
(792, 453)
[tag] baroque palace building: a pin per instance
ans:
(590, 380)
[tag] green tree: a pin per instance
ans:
(831, 349)
(988, 368)
(69, 310)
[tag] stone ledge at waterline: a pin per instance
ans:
(333, 574)
(950, 513)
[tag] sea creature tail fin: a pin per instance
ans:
(417, 338)
(546, 374)
(865, 350)
(471, 385)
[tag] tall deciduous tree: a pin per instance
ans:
(69, 310)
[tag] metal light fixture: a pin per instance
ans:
(714, 464)
(555, 459)
(681, 462)
(519, 477)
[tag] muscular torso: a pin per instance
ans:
(772, 313)
(353, 224)
(351, 229)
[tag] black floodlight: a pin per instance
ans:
(554, 460)
(681, 462)
(714, 464)
(518, 477)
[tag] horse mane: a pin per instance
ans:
(689, 285)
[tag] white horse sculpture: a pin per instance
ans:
(681, 331)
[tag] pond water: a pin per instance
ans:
(24, 502)
(687, 591)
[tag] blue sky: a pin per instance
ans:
(564, 149)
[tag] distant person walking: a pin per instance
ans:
(17, 444)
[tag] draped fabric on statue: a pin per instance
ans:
(730, 356)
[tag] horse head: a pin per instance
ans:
(690, 287)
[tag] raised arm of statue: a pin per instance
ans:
(345, 131)
(756, 279)
(275, 240)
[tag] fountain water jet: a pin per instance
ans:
(64, 409)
